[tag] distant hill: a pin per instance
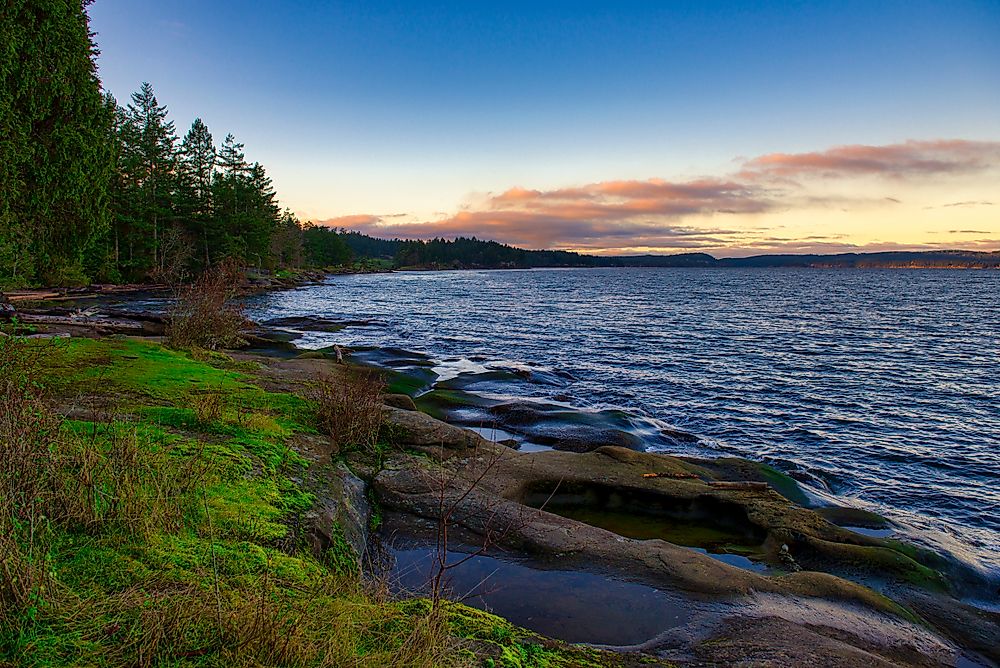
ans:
(472, 253)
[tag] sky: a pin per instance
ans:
(615, 127)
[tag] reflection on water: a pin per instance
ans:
(570, 605)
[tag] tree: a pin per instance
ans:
(286, 241)
(324, 247)
(246, 209)
(55, 159)
(149, 160)
(198, 160)
(264, 213)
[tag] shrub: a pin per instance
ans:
(350, 409)
(208, 406)
(207, 313)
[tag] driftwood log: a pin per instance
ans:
(64, 294)
(133, 324)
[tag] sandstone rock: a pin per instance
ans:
(420, 430)
(403, 401)
(341, 508)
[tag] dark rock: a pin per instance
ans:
(403, 401)
(421, 430)
(341, 506)
(308, 323)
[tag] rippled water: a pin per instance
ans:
(878, 385)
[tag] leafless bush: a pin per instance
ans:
(176, 253)
(207, 313)
(350, 408)
(208, 406)
(461, 502)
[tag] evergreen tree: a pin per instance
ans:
(286, 242)
(149, 161)
(263, 215)
(245, 208)
(325, 246)
(198, 159)
(54, 156)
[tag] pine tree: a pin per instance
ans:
(286, 241)
(198, 160)
(149, 157)
(230, 191)
(54, 156)
(264, 213)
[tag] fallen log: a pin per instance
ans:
(677, 476)
(97, 323)
(33, 296)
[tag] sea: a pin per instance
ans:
(875, 388)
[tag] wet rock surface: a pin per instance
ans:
(316, 323)
(512, 499)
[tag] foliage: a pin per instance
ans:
(473, 253)
(206, 313)
(325, 247)
(127, 541)
(55, 158)
(349, 408)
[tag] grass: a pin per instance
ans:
(163, 526)
(168, 534)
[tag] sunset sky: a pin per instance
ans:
(617, 127)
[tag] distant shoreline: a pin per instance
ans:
(679, 266)
(268, 281)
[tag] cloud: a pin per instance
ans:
(357, 221)
(980, 203)
(911, 158)
(685, 214)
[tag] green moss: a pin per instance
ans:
(855, 517)
(783, 484)
(439, 403)
(882, 561)
(375, 512)
(340, 556)
(513, 647)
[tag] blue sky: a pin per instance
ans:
(428, 109)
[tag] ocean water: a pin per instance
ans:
(876, 387)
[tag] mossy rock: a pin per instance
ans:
(312, 355)
(845, 516)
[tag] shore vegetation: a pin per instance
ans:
(152, 513)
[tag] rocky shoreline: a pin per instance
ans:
(829, 595)
(818, 602)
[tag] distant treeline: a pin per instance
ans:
(91, 190)
(472, 253)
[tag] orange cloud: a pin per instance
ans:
(659, 214)
(895, 160)
(352, 222)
